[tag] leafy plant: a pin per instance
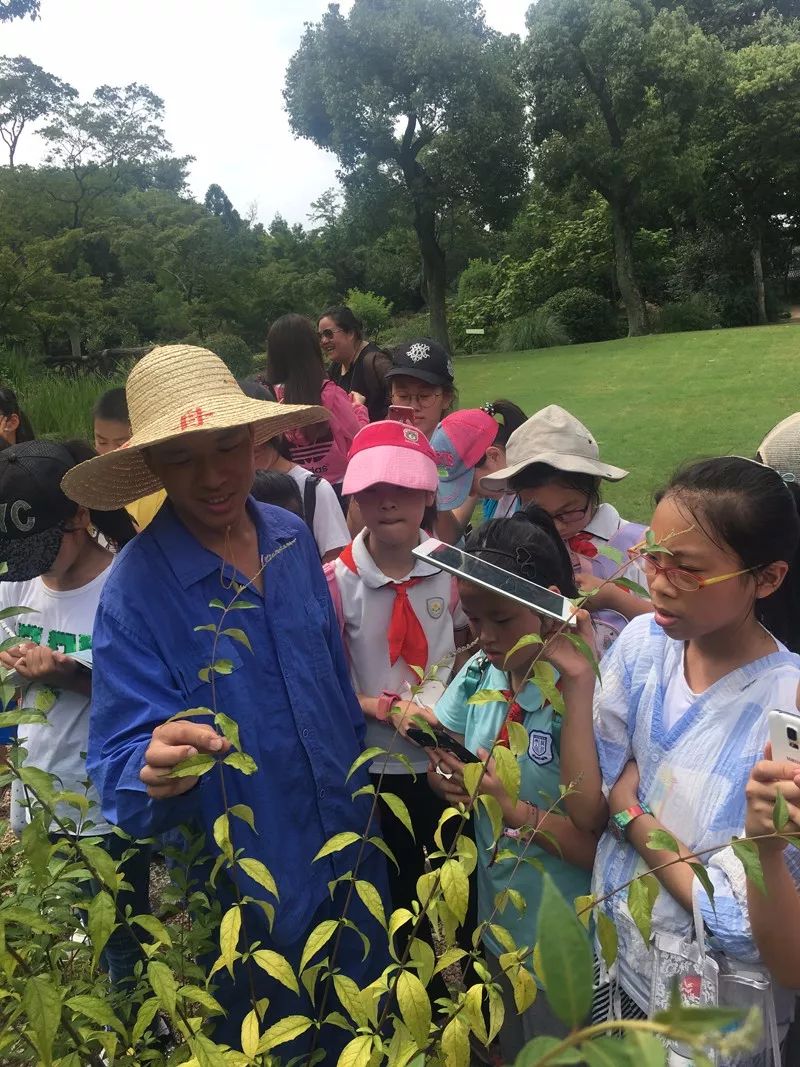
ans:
(538, 329)
(373, 310)
(233, 351)
(586, 316)
(699, 311)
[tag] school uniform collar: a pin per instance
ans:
(373, 577)
(605, 523)
(190, 561)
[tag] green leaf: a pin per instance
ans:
(317, 939)
(164, 986)
(240, 761)
(525, 989)
(398, 808)
(197, 995)
(277, 967)
(216, 603)
(642, 895)
(645, 1050)
(144, 1017)
(566, 957)
(191, 713)
(241, 811)
(250, 1034)
(381, 845)
(415, 1007)
(524, 642)
(455, 886)
(287, 1029)
(492, 808)
(544, 675)
(586, 652)
(372, 901)
(12, 612)
(241, 605)
(28, 918)
(608, 937)
(705, 881)
(236, 634)
(97, 1010)
(100, 922)
(455, 1043)
(488, 696)
(222, 666)
(24, 717)
(154, 927)
(356, 1053)
(697, 1022)
(229, 930)
(660, 839)
(748, 855)
(42, 1004)
(603, 1052)
(633, 587)
(448, 958)
(194, 766)
(209, 1054)
(210, 626)
(508, 771)
(518, 739)
(337, 843)
(256, 870)
(613, 554)
(229, 728)
(222, 835)
(366, 756)
(780, 813)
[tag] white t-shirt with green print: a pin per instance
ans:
(62, 621)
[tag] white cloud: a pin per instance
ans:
(218, 67)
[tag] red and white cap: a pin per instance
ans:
(390, 453)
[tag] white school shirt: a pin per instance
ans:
(63, 621)
(329, 526)
(367, 600)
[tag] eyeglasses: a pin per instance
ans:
(573, 515)
(327, 335)
(423, 400)
(680, 579)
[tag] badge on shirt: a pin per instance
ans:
(540, 747)
(435, 606)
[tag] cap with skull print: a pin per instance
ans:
(424, 359)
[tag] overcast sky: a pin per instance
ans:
(219, 68)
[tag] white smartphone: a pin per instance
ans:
(471, 569)
(784, 736)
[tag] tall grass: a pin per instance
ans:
(537, 329)
(59, 404)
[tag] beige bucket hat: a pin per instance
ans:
(172, 391)
(554, 437)
(781, 447)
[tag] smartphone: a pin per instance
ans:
(444, 741)
(784, 736)
(470, 568)
(397, 413)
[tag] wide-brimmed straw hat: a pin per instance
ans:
(555, 437)
(173, 391)
(781, 447)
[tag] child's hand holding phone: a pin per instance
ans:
(767, 778)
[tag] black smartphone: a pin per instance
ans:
(444, 741)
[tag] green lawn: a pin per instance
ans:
(653, 402)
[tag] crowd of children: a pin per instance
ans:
(698, 645)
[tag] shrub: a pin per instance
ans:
(699, 311)
(373, 310)
(233, 351)
(404, 328)
(538, 329)
(478, 278)
(586, 316)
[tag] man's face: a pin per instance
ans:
(207, 475)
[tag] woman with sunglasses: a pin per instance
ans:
(356, 365)
(681, 718)
(553, 461)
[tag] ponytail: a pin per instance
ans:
(509, 417)
(116, 526)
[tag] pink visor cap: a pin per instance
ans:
(390, 453)
(460, 441)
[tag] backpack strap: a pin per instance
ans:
(310, 500)
(329, 570)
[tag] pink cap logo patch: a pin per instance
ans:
(411, 435)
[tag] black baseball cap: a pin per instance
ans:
(33, 508)
(425, 359)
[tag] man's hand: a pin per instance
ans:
(170, 745)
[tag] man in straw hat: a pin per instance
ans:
(286, 685)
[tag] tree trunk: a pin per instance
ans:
(75, 342)
(626, 277)
(758, 273)
(434, 284)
